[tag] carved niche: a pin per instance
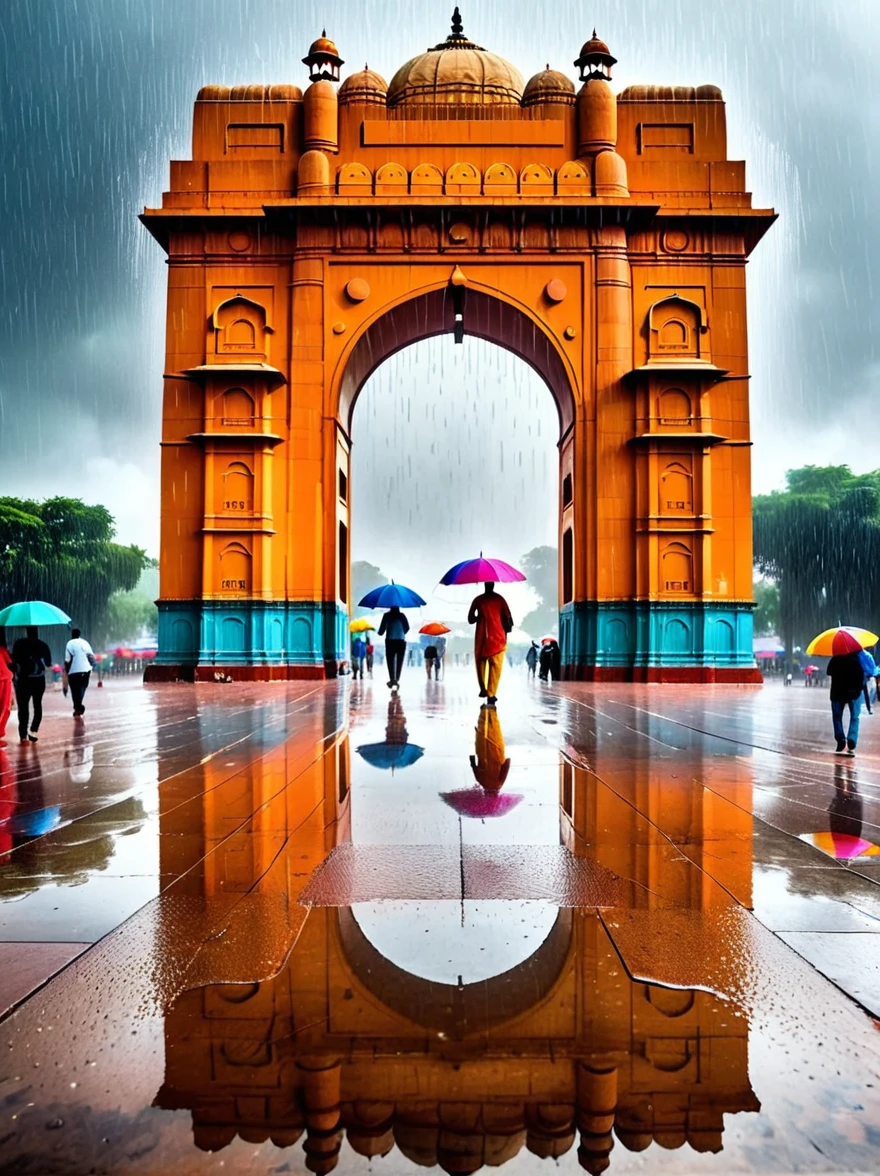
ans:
(237, 488)
(677, 573)
(240, 329)
(675, 330)
(235, 569)
(677, 487)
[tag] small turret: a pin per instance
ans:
(597, 119)
(320, 105)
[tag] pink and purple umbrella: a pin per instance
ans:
(482, 571)
(476, 802)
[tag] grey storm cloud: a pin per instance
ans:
(97, 97)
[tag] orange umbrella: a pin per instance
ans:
(435, 629)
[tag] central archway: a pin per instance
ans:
(455, 310)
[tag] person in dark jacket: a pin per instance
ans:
(847, 679)
(31, 658)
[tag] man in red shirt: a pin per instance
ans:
(491, 615)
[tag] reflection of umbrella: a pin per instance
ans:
(391, 595)
(434, 629)
(362, 625)
(477, 802)
(35, 824)
(33, 612)
(482, 571)
(843, 846)
(391, 755)
(842, 639)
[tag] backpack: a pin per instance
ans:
(430, 652)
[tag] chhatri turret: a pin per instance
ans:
(597, 119)
(320, 115)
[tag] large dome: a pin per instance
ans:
(456, 72)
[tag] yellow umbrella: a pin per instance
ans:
(841, 639)
(362, 625)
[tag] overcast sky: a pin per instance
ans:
(97, 97)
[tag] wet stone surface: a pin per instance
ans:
(615, 927)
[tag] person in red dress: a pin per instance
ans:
(489, 612)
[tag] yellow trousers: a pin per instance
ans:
(489, 672)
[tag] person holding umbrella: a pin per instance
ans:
(31, 658)
(394, 626)
(845, 644)
(490, 613)
(6, 666)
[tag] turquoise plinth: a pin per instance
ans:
(635, 635)
(252, 633)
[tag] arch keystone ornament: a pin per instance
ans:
(306, 241)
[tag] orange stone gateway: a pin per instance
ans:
(602, 239)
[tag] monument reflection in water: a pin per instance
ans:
(561, 1051)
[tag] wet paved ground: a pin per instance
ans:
(599, 925)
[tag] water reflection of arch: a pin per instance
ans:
(459, 1010)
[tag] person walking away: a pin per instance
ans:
(430, 660)
(440, 646)
(358, 653)
(394, 627)
(78, 661)
(489, 612)
(6, 666)
(847, 679)
(370, 651)
(532, 658)
(31, 658)
(870, 671)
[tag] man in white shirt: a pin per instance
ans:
(78, 661)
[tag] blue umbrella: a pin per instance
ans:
(33, 612)
(391, 755)
(389, 595)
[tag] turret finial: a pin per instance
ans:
(457, 26)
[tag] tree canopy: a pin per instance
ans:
(61, 550)
(819, 539)
(541, 566)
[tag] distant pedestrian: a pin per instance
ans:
(79, 659)
(870, 671)
(31, 658)
(847, 681)
(394, 626)
(532, 659)
(369, 655)
(550, 661)
(440, 646)
(358, 653)
(490, 613)
(431, 661)
(6, 679)
(788, 678)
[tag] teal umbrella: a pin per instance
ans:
(33, 612)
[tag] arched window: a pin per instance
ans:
(240, 328)
(235, 570)
(238, 488)
(237, 407)
(677, 563)
(676, 490)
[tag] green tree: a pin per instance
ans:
(364, 576)
(541, 566)
(62, 550)
(820, 541)
(766, 608)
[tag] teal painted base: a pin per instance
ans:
(623, 639)
(252, 633)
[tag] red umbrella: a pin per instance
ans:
(435, 629)
(549, 640)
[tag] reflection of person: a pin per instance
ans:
(847, 680)
(395, 627)
(845, 810)
(395, 727)
(78, 661)
(5, 686)
(489, 763)
(489, 612)
(31, 658)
